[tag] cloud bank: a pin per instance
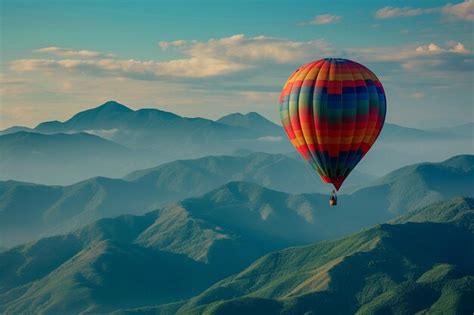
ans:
(212, 58)
(463, 11)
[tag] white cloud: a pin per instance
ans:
(250, 49)
(190, 68)
(215, 57)
(428, 49)
(432, 48)
(407, 52)
(71, 53)
(324, 19)
(426, 58)
(392, 12)
(241, 54)
(460, 11)
(459, 48)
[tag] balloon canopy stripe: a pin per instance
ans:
(333, 111)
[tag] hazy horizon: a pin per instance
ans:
(278, 122)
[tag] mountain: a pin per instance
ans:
(393, 132)
(108, 116)
(61, 158)
(160, 130)
(405, 268)
(172, 254)
(146, 137)
(464, 130)
(275, 171)
(62, 209)
(15, 129)
(421, 184)
(458, 210)
(253, 121)
(398, 146)
(29, 211)
(163, 256)
(95, 268)
(163, 137)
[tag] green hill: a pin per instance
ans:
(29, 211)
(163, 256)
(422, 184)
(174, 253)
(456, 210)
(406, 268)
(275, 171)
(64, 275)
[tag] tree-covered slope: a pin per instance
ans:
(418, 185)
(163, 256)
(405, 268)
(90, 271)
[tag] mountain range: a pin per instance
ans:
(404, 268)
(30, 210)
(147, 212)
(146, 137)
(150, 136)
(421, 262)
(169, 254)
(59, 158)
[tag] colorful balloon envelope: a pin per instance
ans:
(333, 111)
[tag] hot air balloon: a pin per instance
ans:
(333, 110)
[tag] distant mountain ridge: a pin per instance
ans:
(253, 121)
(154, 136)
(165, 126)
(30, 156)
(161, 136)
(113, 115)
(108, 116)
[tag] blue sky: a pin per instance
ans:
(209, 58)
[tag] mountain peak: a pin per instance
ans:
(113, 105)
(251, 120)
(235, 116)
(460, 159)
(240, 191)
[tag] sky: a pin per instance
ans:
(210, 58)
